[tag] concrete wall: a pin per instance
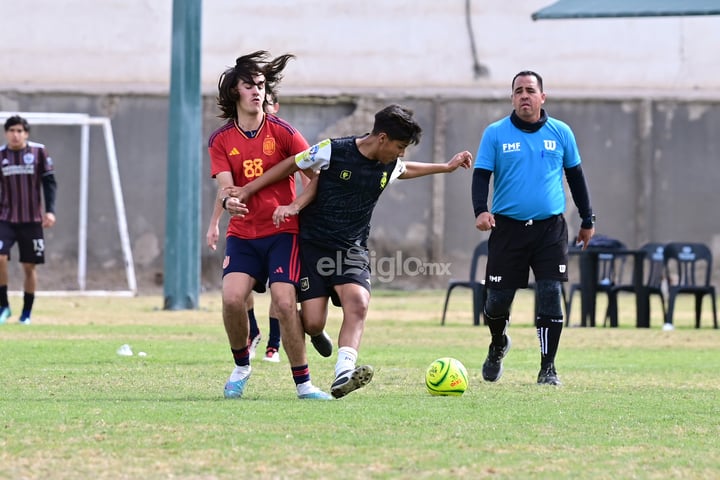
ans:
(651, 166)
(640, 94)
(375, 45)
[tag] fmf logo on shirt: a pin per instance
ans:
(511, 147)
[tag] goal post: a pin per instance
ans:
(85, 121)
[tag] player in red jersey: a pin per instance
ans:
(256, 251)
(26, 169)
(213, 233)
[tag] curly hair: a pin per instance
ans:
(247, 67)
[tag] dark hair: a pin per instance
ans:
(397, 123)
(247, 67)
(527, 73)
(17, 120)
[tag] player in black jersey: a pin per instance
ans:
(349, 174)
(27, 183)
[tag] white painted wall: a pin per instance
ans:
(342, 46)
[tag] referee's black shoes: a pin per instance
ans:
(548, 375)
(492, 369)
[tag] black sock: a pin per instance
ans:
(274, 338)
(3, 297)
(254, 330)
(548, 331)
(28, 300)
(498, 327)
(241, 356)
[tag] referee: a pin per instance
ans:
(527, 153)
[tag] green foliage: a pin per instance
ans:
(635, 403)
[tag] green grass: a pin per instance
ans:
(634, 404)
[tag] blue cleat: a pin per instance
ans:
(4, 314)
(315, 395)
(235, 389)
(24, 320)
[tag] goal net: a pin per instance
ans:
(85, 121)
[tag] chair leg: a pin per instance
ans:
(671, 308)
(447, 299)
(612, 310)
(478, 304)
(715, 321)
(698, 308)
(662, 304)
(568, 307)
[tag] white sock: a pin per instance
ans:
(239, 373)
(305, 388)
(347, 357)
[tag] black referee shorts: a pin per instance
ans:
(515, 246)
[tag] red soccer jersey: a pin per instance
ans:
(248, 158)
(21, 182)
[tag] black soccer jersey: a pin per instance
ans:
(348, 190)
(21, 173)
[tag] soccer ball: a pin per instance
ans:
(446, 376)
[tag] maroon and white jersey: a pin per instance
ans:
(21, 173)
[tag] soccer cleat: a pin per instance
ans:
(492, 369)
(4, 314)
(252, 345)
(350, 380)
(548, 376)
(235, 389)
(271, 355)
(323, 344)
(316, 394)
(24, 320)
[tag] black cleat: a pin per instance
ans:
(492, 369)
(323, 344)
(548, 376)
(350, 380)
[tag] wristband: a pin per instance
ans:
(224, 203)
(588, 222)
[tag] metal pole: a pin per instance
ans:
(181, 277)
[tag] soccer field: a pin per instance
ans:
(634, 404)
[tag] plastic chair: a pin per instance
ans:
(475, 283)
(654, 259)
(688, 260)
(610, 270)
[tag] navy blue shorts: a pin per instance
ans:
(515, 246)
(268, 260)
(30, 240)
(323, 268)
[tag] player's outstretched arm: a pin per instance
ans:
(278, 172)
(420, 169)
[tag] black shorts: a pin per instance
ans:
(323, 268)
(514, 247)
(30, 240)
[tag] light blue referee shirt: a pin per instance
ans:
(527, 167)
